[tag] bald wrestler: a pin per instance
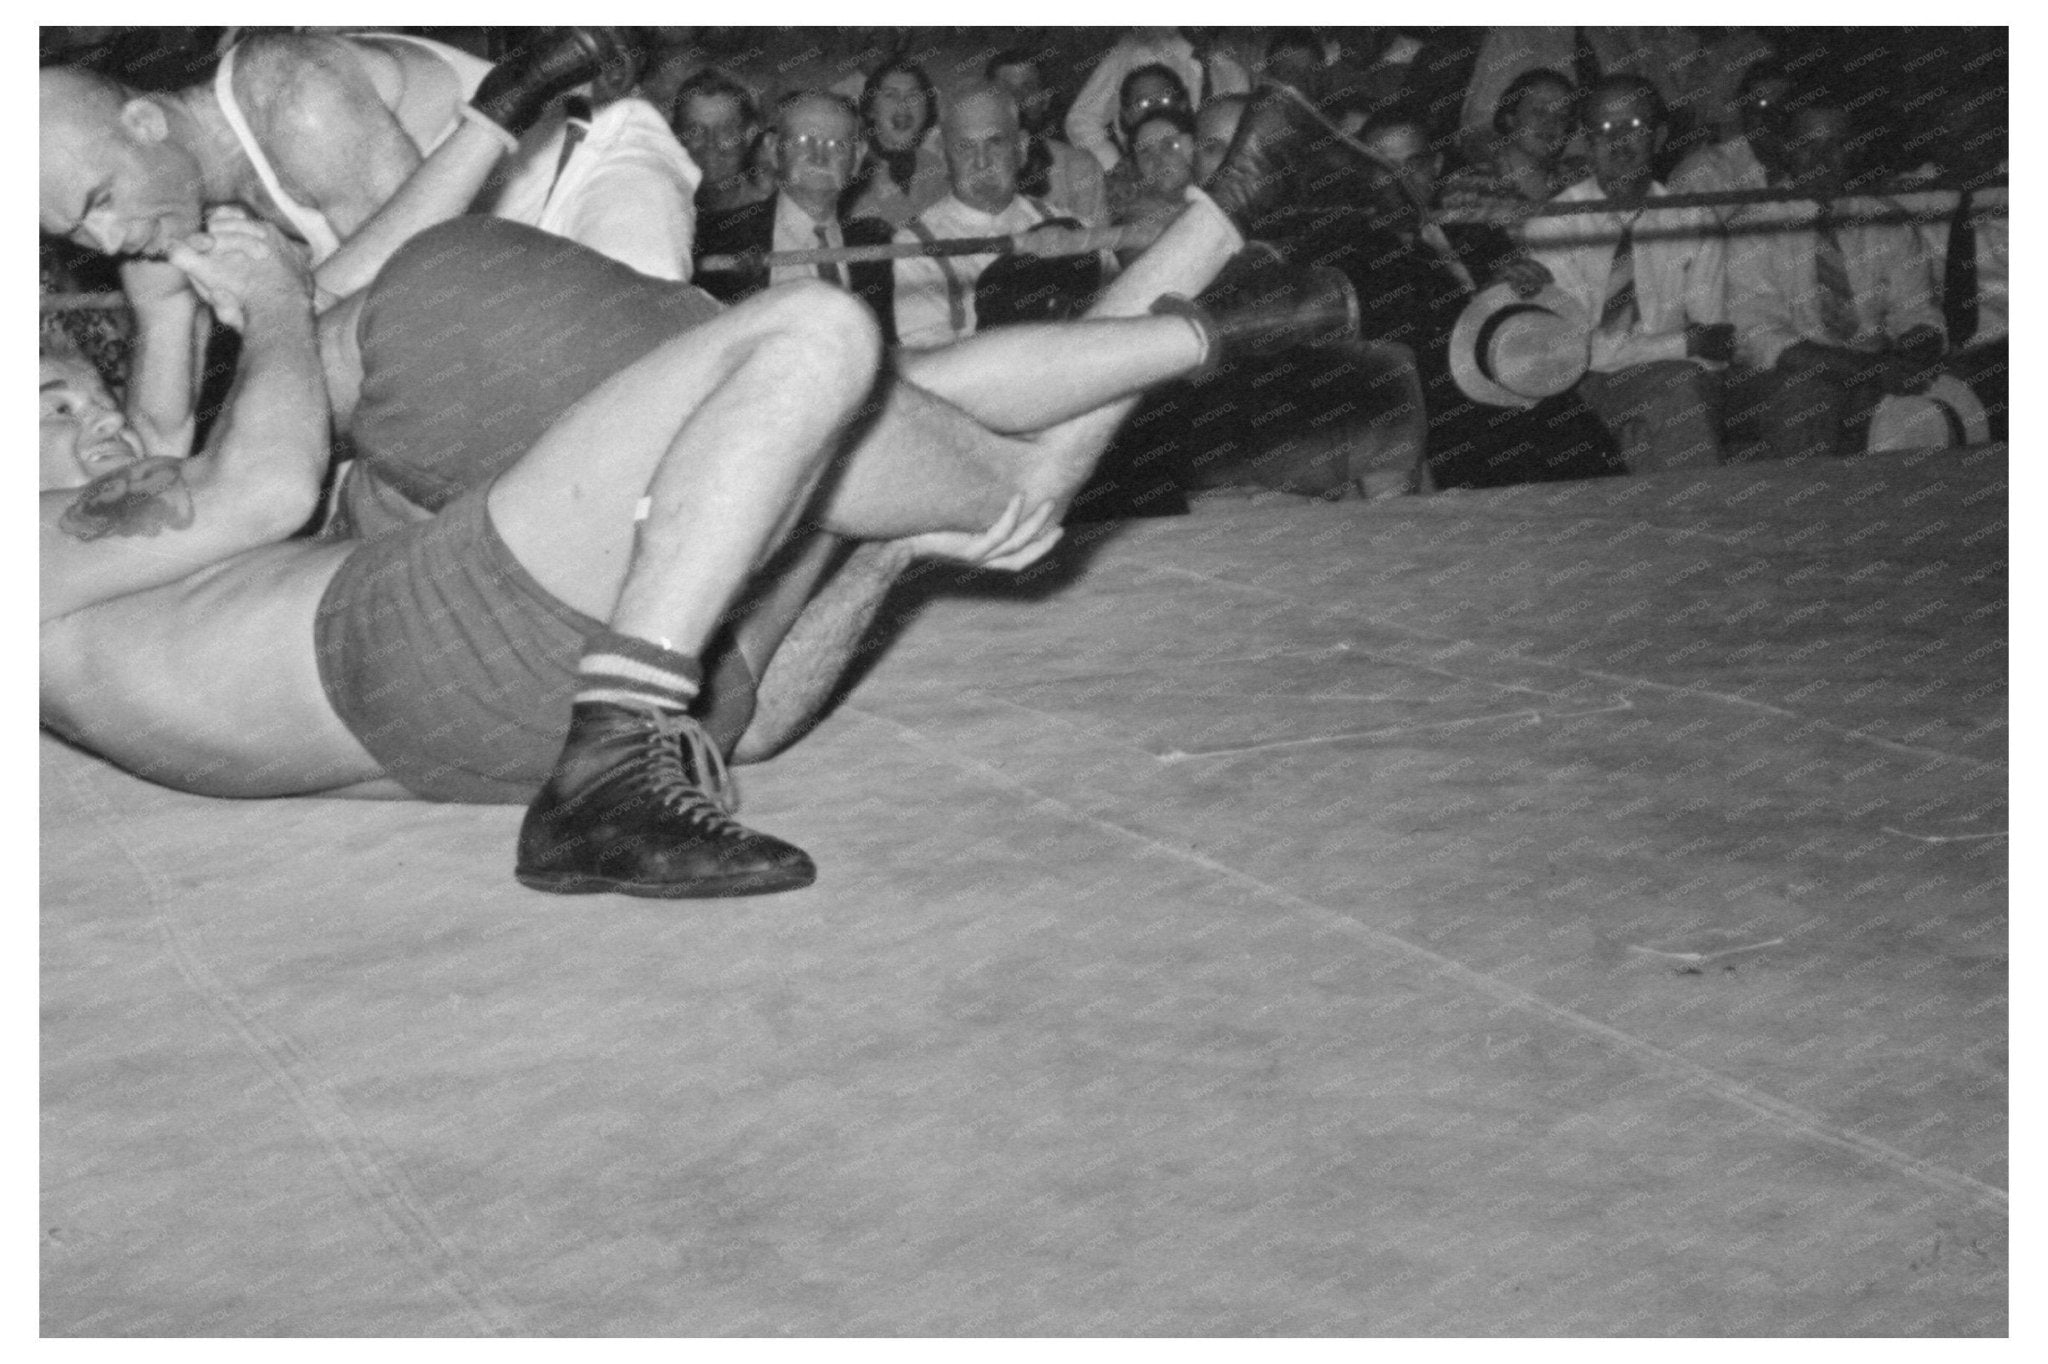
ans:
(351, 145)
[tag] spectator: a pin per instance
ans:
(720, 127)
(984, 149)
(1529, 157)
(1833, 302)
(1414, 279)
(1163, 158)
(1965, 235)
(1202, 74)
(1752, 159)
(906, 172)
(814, 146)
(1145, 91)
(1505, 55)
(1651, 284)
(1068, 179)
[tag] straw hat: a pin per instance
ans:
(1509, 351)
(1948, 413)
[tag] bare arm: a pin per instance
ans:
(160, 519)
(166, 358)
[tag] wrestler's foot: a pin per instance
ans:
(1260, 302)
(519, 88)
(1287, 154)
(637, 805)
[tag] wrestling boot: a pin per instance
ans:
(518, 89)
(638, 805)
(1278, 138)
(1287, 155)
(1261, 302)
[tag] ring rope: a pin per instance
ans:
(1897, 206)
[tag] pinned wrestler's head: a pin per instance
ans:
(113, 175)
(84, 433)
(985, 146)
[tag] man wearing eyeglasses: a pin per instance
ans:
(1651, 283)
(814, 145)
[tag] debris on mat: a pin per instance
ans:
(1692, 954)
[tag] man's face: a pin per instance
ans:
(1165, 156)
(84, 433)
(1027, 87)
(715, 133)
(116, 186)
(1621, 126)
(1215, 126)
(1816, 142)
(1408, 150)
(984, 151)
(1542, 120)
(900, 111)
(815, 147)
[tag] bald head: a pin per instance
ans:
(110, 175)
(984, 144)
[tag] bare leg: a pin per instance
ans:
(1067, 372)
(919, 468)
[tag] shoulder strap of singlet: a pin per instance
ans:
(310, 223)
(957, 292)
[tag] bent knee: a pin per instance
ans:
(813, 312)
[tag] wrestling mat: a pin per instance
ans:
(1568, 909)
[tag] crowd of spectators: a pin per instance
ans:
(1631, 337)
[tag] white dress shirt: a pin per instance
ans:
(1774, 292)
(1679, 273)
(796, 230)
(628, 190)
(934, 297)
(1937, 209)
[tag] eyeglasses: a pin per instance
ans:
(1175, 143)
(807, 144)
(1615, 130)
(1156, 102)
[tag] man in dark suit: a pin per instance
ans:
(814, 145)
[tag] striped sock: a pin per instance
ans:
(625, 670)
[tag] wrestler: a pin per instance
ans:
(352, 145)
(182, 641)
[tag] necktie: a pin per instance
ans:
(1959, 275)
(827, 271)
(1619, 312)
(1837, 301)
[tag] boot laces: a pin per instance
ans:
(684, 770)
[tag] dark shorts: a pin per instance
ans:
(455, 669)
(442, 654)
(476, 337)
